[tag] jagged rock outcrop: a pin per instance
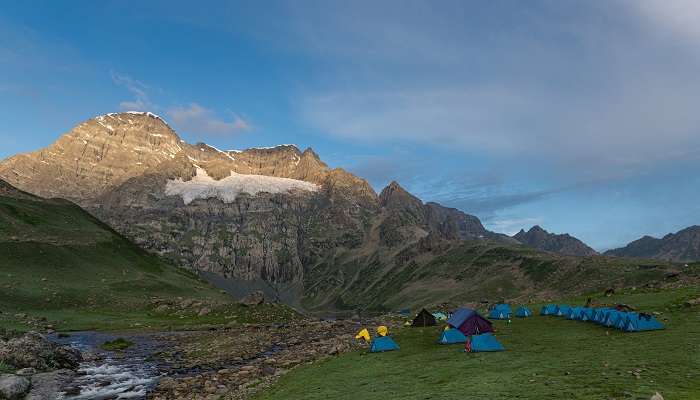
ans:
(564, 244)
(682, 246)
(33, 350)
(277, 215)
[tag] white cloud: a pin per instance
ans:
(588, 93)
(511, 226)
(200, 120)
(141, 101)
(679, 17)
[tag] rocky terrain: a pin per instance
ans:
(39, 367)
(539, 238)
(682, 246)
(278, 215)
(239, 361)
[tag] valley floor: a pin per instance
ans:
(546, 358)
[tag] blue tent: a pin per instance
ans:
(501, 311)
(549, 309)
(383, 343)
(574, 313)
(600, 314)
(485, 342)
(452, 336)
(523, 312)
(612, 317)
(587, 314)
(635, 322)
(562, 310)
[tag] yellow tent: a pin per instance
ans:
(363, 334)
(382, 330)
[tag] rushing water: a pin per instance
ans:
(104, 375)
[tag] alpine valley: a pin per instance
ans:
(282, 221)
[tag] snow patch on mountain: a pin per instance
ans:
(202, 186)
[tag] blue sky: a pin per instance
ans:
(579, 116)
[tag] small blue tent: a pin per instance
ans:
(501, 311)
(612, 318)
(621, 321)
(574, 313)
(635, 322)
(562, 310)
(587, 314)
(549, 309)
(523, 312)
(600, 315)
(484, 342)
(452, 336)
(383, 343)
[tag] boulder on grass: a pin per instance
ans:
(253, 299)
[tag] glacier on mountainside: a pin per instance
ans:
(202, 186)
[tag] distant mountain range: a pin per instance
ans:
(277, 219)
(682, 246)
(564, 244)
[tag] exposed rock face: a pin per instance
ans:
(95, 156)
(564, 244)
(13, 387)
(253, 299)
(682, 246)
(33, 350)
(229, 213)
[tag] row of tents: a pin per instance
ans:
(499, 311)
(464, 326)
(625, 321)
(503, 311)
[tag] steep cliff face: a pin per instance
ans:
(95, 156)
(564, 244)
(682, 246)
(277, 216)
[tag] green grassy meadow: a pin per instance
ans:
(546, 358)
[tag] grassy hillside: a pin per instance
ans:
(61, 266)
(546, 358)
(474, 271)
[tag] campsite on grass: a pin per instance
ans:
(545, 356)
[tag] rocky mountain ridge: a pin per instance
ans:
(682, 246)
(282, 221)
(277, 217)
(566, 244)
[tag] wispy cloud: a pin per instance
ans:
(512, 225)
(197, 119)
(678, 17)
(138, 89)
(588, 96)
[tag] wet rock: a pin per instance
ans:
(45, 385)
(13, 387)
(33, 350)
